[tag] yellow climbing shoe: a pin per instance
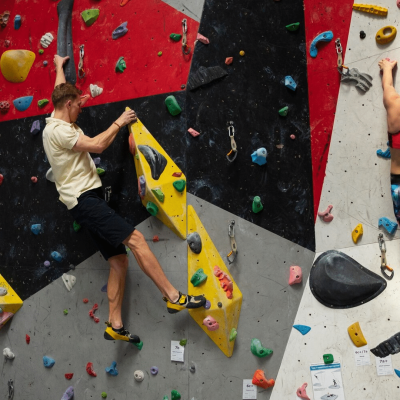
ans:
(184, 301)
(120, 334)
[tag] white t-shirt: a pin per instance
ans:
(74, 172)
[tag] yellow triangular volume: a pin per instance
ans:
(10, 302)
(227, 316)
(159, 182)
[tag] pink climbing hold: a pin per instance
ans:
(210, 323)
(301, 392)
(326, 215)
(4, 106)
(295, 275)
(292, 137)
(92, 311)
(228, 60)
(193, 132)
(398, 3)
(202, 39)
(225, 281)
(177, 174)
(156, 238)
(34, 179)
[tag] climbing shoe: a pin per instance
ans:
(120, 334)
(184, 301)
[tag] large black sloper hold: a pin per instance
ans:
(205, 75)
(155, 159)
(390, 346)
(338, 281)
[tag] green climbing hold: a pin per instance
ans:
(65, 312)
(121, 65)
(293, 27)
(258, 350)
(165, 398)
(76, 226)
(137, 156)
(198, 277)
(183, 342)
(257, 205)
(41, 51)
(328, 358)
(100, 171)
(159, 194)
(180, 185)
(283, 111)
(175, 395)
(152, 208)
(159, 53)
(172, 105)
(233, 334)
(104, 395)
(139, 345)
(90, 16)
(176, 37)
(42, 103)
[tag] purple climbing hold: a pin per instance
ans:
(207, 305)
(96, 160)
(35, 129)
(154, 370)
(104, 288)
(47, 263)
(45, 63)
(69, 394)
(120, 31)
(142, 186)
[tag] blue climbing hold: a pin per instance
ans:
(56, 256)
(290, 83)
(112, 370)
(322, 37)
(35, 128)
(397, 372)
(48, 362)
(384, 154)
(104, 288)
(17, 22)
(22, 103)
(388, 225)
(120, 30)
(303, 329)
(36, 229)
(259, 156)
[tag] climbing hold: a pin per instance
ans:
(232, 334)
(7, 43)
(207, 306)
(8, 354)
(1, 179)
(389, 346)
(192, 368)
(175, 395)
(157, 162)
(388, 225)
(326, 215)
(141, 186)
(303, 329)
(210, 323)
(202, 39)
(386, 34)
(92, 311)
(95, 90)
(177, 174)
(260, 380)
(85, 300)
(198, 277)
(35, 128)
(293, 27)
(90, 16)
(194, 242)
(17, 22)
(4, 18)
(48, 361)
(42, 103)
(259, 156)
(219, 304)
(4, 106)
(204, 76)
(76, 226)
(397, 372)
(328, 358)
(283, 111)
(46, 263)
(158, 194)
(322, 37)
(68, 394)
(45, 41)
(100, 171)
(183, 342)
(112, 369)
(179, 185)
(138, 375)
(120, 31)
(172, 105)
(154, 370)
(301, 392)
(45, 63)
(193, 132)
(104, 288)
(89, 369)
(16, 64)
(41, 51)
(257, 205)
(123, 3)
(104, 394)
(176, 37)
(225, 281)
(27, 339)
(139, 345)
(357, 232)
(242, 53)
(356, 335)
(384, 154)
(121, 65)
(96, 160)
(295, 275)
(258, 350)
(156, 239)
(290, 83)
(69, 281)
(69, 376)
(56, 256)
(371, 9)
(36, 229)
(65, 312)
(362, 35)
(228, 60)
(159, 53)
(152, 208)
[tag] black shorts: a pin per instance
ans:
(105, 226)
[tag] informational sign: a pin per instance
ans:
(249, 390)
(361, 355)
(177, 351)
(384, 365)
(327, 382)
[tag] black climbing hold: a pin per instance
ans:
(205, 75)
(338, 281)
(194, 242)
(389, 346)
(362, 35)
(155, 159)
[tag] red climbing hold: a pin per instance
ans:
(123, 2)
(89, 369)
(1, 179)
(91, 313)
(177, 174)
(86, 301)
(225, 281)
(34, 179)
(27, 338)
(4, 106)
(132, 146)
(69, 376)
(156, 238)
(228, 60)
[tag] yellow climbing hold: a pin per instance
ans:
(155, 165)
(357, 232)
(386, 34)
(227, 316)
(356, 335)
(371, 9)
(242, 53)
(10, 302)
(16, 64)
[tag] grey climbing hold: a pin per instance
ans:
(363, 81)
(205, 75)
(194, 242)
(389, 346)
(120, 31)
(3, 291)
(192, 368)
(156, 160)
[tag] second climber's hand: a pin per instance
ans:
(126, 118)
(59, 61)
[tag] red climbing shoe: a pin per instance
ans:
(184, 301)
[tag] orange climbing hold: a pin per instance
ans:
(123, 2)
(225, 281)
(260, 380)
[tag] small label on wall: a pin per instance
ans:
(384, 365)
(249, 390)
(177, 351)
(361, 355)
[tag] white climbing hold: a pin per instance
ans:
(69, 281)
(3, 291)
(138, 375)
(50, 175)
(46, 40)
(7, 353)
(95, 90)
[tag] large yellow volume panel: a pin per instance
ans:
(10, 302)
(161, 184)
(220, 320)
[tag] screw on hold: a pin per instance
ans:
(231, 133)
(362, 35)
(231, 233)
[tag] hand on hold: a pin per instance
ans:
(126, 118)
(387, 63)
(59, 61)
